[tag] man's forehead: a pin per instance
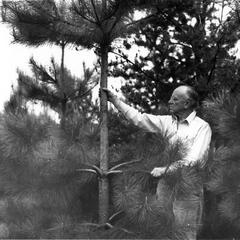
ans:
(180, 91)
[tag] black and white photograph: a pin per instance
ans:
(120, 119)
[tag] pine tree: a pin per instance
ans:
(222, 112)
(20, 14)
(44, 86)
(42, 193)
(184, 42)
(86, 23)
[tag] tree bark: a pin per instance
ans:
(103, 181)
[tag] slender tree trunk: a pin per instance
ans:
(62, 85)
(103, 182)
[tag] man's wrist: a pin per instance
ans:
(174, 166)
(171, 169)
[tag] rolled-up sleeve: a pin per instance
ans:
(148, 122)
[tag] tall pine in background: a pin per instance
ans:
(92, 24)
(184, 42)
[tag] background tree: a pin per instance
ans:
(29, 28)
(44, 86)
(222, 213)
(184, 42)
(42, 193)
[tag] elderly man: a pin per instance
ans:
(192, 131)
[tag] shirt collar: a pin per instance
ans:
(189, 119)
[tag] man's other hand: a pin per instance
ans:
(158, 171)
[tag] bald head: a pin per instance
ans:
(182, 90)
(184, 99)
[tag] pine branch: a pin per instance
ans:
(215, 55)
(214, 62)
(129, 61)
(73, 97)
(125, 164)
(82, 15)
(46, 77)
(99, 172)
(171, 20)
(95, 12)
(114, 172)
(113, 13)
(87, 170)
(114, 25)
(181, 44)
(55, 71)
(111, 218)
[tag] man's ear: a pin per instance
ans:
(187, 104)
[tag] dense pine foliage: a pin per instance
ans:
(53, 179)
(40, 187)
(47, 194)
(184, 42)
(222, 112)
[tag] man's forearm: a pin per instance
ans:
(160, 171)
(148, 122)
(120, 105)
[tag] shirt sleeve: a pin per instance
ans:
(148, 122)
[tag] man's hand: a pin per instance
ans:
(158, 171)
(109, 93)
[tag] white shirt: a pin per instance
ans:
(193, 132)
